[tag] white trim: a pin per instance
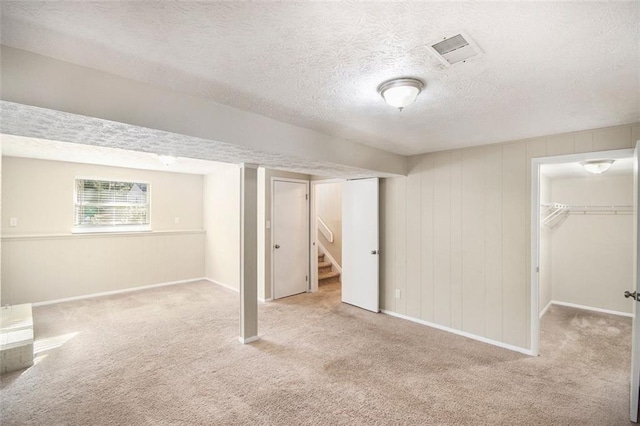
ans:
(109, 293)
(328, 255)
(6, 238)
(221, 284)
(324, 229)
(87, 229)
(460, 333)
(535, 225)
(546, 308)
(248, 339)
(589, 308)
(308, 205)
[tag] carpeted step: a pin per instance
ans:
(321, 257)
(16, 337)
(324, 267)
(329, 277)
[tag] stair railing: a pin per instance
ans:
(325, 230)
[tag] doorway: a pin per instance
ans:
(326, 234)
(290, 237)
(360, 224)
(552, 216)
(583, 256)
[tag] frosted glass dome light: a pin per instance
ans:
(400, 92)
(597, 167)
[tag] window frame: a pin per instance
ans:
(125, 228)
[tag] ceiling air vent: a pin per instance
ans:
(454, 49)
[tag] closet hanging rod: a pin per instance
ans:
(587, 209)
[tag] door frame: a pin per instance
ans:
(534, 332)
(313, 231)
(273, 197)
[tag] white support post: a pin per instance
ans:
(248, 253)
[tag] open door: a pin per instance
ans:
(635, 348)
(360, 244)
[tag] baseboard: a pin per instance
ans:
(221, 284)
(227, 286)
(589, 308)
(248, 339)
(110, 293)
(544, 311)
(461, 333)
(328, 256)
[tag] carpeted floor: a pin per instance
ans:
(171, 356)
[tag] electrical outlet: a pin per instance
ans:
(268, 224)
(176, 220)
(398, 294)
(13, 221)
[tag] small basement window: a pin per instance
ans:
(111, 206)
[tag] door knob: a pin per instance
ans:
(374, 252)
(277, 246)
(634, 295)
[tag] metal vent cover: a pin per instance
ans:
(454, 49)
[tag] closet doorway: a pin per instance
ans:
(584, 256)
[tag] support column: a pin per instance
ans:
(248, 253)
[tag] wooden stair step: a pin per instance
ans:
(331, 276)
(324, 267)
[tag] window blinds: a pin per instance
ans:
(100, 203)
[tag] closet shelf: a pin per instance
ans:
(552, 213)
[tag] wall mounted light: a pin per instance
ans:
(400, 92)
(597, 166)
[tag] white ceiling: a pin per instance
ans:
(548, 67)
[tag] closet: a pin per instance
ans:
(586, 237)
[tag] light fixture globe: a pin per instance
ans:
(597, 166)
(400, 92)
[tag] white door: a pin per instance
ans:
(290, 238)
(360, 243)
(635, 340)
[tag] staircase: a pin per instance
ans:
(325, 274)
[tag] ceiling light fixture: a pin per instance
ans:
(400, 92)
(597, 166)
(167, 160)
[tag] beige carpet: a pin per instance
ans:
(171, 356)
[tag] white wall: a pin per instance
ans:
(329, 208)
(592, 255)
(222, 222)
(544, 277)
(42, 260)
(265, 247)
(455, 233)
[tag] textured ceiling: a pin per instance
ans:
(20, 146)
(49, 127)
(548, 67)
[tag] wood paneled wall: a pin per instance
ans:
(455, 233)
